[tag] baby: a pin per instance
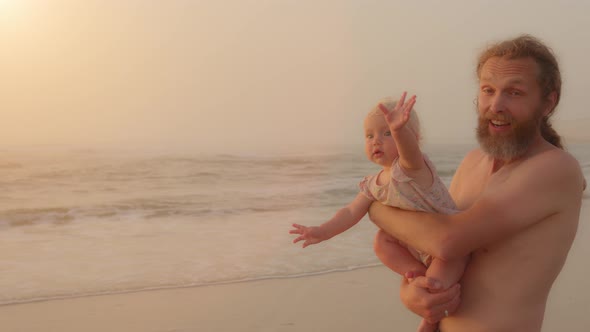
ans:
(408, 180)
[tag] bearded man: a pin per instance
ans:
(520, 194)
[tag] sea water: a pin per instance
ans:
(83, 222)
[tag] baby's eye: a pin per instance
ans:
(388, 133)
(369, 136)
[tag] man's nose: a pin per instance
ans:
(497, 103)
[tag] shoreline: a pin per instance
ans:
(158, 288)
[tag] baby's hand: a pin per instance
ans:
(311, 235)
(400, 114)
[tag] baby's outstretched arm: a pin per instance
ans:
(344, 219)
(406, 140)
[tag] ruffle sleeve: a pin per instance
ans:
(364, 187)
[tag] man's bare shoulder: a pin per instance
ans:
(554, 165)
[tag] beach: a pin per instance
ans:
(341, 301)
(106, 241)
(364, 299)
(156, 155)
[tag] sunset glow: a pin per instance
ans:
(173, 75)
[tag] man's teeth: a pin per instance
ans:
(498, 123)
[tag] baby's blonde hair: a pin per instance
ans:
(389, 103)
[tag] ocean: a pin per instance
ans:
(77, 222)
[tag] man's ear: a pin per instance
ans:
(551, 102)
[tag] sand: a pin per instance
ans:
(343, 301)
(360, 300)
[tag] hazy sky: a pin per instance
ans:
(244, 75)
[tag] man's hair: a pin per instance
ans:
(390, 103)
(549, 77)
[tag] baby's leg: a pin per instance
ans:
(447, 272)
(395, 256)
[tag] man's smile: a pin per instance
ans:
(499, 123)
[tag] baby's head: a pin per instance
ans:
(389, 103)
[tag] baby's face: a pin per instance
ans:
(379, 144)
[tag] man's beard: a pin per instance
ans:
(511, 145)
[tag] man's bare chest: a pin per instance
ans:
(470, 188)
(478, 179)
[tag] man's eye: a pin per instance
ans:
(487, 90)
(515, 93)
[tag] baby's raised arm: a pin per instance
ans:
(406, 140)
(344, 219)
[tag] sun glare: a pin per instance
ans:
(10, 8)
(5, 4)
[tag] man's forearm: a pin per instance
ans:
(426, 232)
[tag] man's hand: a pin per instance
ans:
(400, 114)
(311, 235)
(423, 296)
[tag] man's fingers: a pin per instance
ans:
(438, 312)
(435, 318)
(445, 298)
(426, 282)
(454, 304)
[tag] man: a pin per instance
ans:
(520, 194)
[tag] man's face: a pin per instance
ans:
(510, 107)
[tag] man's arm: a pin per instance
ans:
(541, 188)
